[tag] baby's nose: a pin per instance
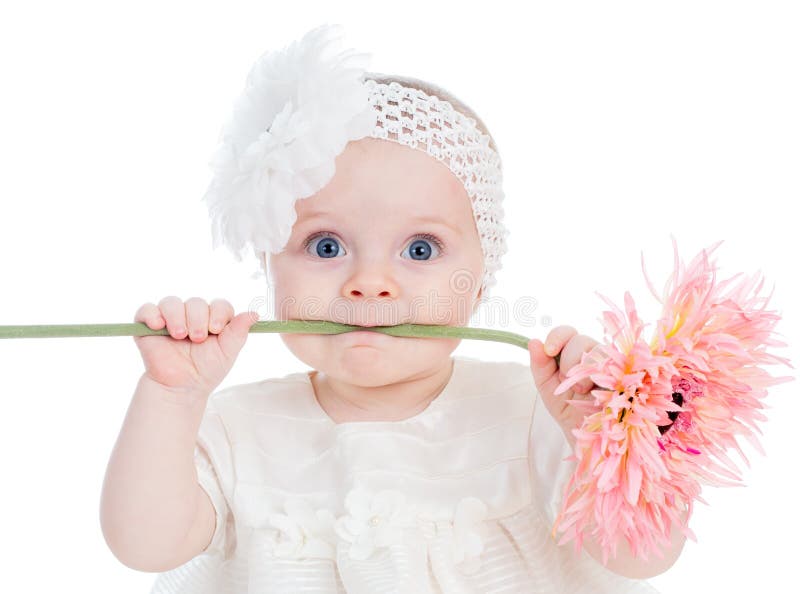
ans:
(375, 282)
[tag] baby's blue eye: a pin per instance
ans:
(327, 248)
(420, 249)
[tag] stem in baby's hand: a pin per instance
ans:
(279, 326)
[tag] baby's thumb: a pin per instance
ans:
(234, 335)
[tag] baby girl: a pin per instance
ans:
(390, 466)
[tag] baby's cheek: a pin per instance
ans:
(311, 349)
(446, 308)
(298, 305)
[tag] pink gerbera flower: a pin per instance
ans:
(666, 411)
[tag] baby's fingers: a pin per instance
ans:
(543, 367)
(197, 314)
(557, 338)
(234, 336)
(150, 315)
(174, 312)
(221, 313)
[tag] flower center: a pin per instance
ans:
(677, 398)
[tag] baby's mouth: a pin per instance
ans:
(363, 337)
(374, 324)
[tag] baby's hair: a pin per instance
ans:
(431, 89)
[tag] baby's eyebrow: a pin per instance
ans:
(316, 214)
(437, 221)
(321, 214)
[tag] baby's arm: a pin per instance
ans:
(154, 514)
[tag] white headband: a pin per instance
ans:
(299, 109)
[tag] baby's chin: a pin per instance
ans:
(371, 366)
(365, 367)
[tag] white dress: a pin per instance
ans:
(458, 499)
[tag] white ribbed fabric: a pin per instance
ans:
(458, 499)
(413, 118)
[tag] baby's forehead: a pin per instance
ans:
(369, 214)
(376, 179)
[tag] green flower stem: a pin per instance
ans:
(281, 326)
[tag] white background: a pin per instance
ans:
(619, 124)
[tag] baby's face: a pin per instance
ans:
(390, 240)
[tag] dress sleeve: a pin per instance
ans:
(548, 450)
(212, 458)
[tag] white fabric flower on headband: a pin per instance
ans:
(299, 109)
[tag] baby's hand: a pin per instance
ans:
(548, 375)
(203, 343)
